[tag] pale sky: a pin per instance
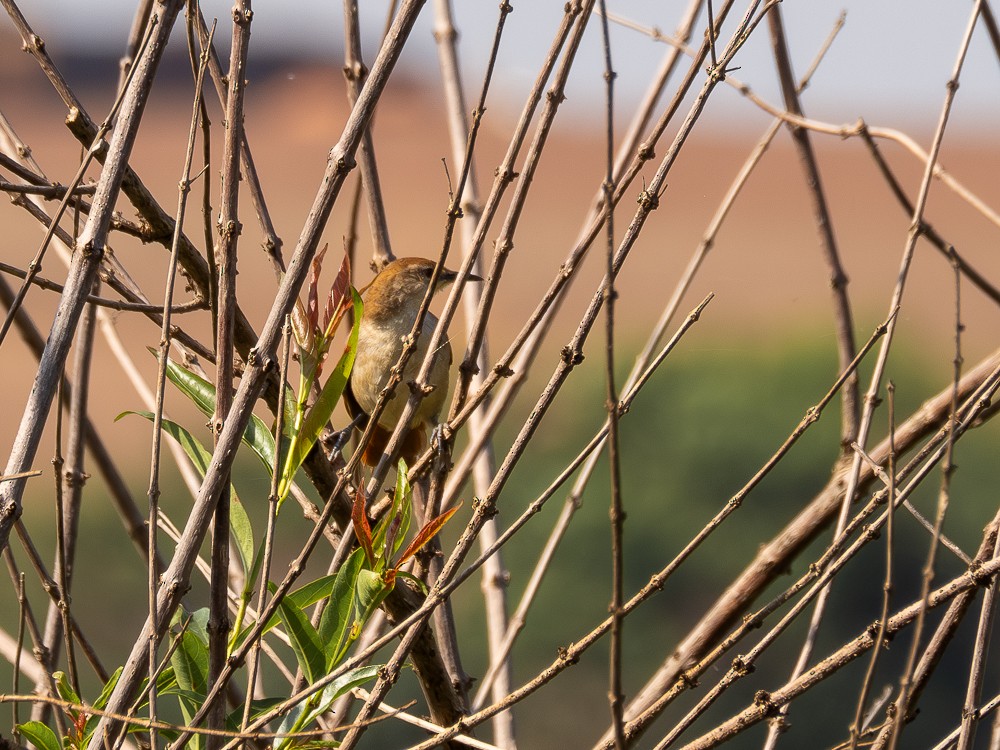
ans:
(889, 64)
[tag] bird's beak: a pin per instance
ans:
(448, 276)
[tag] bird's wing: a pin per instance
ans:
(354, 408)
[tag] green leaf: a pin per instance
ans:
(242, 531)
(189, 702)
(102, 699)
(66, 691)
(391, 530)
(335, 624)
(320, 412)
(369, 591)
(202, 395)
(302, 715)
(39, 735)
(305, 640)
(190, 663)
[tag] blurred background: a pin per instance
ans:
(763, 352)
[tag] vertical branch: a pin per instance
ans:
(226, 258)
(838, 278)
(616, 697)
(355, 73)
(164, 350)
(272, 515)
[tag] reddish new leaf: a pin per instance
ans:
(339, 299)
(312, 293)
(425, 534)
(361, 528)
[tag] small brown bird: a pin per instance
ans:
(392, 301)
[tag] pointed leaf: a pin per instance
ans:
(102, 699)
(66, 691)
(312, 289)
(392, 529)
(362, 530)
(426, 534)
(305, 641)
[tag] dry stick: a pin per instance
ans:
(495, 576)
(49, 585)
(161, 224)
(990, 706)
(890, 737)
(843, 318)
(134, 301)
(425, 725)
(842, 131)
(93, 299)
(857, 727)
(571, 356)
(60, 608)
(272, 242)
(504, 175)
(176, 577)
(471, 368)
(631, 139)
(616, 513)
(927, 231)
(225, 255)
(572, 654)
(355, 73)
(917, 515)
(504, 243)
(90, 250)
(121, 497)
(45, 191)
(902, 703)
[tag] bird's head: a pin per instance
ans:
(402, 284)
